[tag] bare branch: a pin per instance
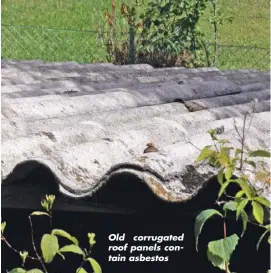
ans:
(253, 109)
(15, 250)
(243, 143)
(237, 130)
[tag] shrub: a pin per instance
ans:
(240, 167)
(161, 33)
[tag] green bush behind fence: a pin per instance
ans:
(69, 30)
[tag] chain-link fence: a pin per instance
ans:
(236, 57)
(68, 30)
(28, 42)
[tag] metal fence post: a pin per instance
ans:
(132, 44)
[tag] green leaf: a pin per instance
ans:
(38, 213)
(205, 153)
(216, 260)
(223, 188)
(17, 270)
(72, 248)
(238, 151)
(221, 250)
(212, 133)
(49, 247)
(239, 194)
(262, 201)
(244, 217)
(261, 238)
(220, 176)
(63, 233)
(228, 173)
(61, 255)
(3, 226)
(259, 153)
(223, 156)
(233, 163)
(231, 205)
(244, 186)
(252, 163)
(240, 207)
(95, 265)
(81, 270)
(213, 162)
(223, 141)
(258, 212)
(35, 270)
(200, 221)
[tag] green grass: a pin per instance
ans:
(250, 27)
(59, 30)
(55, 30)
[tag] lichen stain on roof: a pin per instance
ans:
(87, 123)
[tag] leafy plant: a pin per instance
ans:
(171, 28)
(235, 166)
(161, 33)
(49, 245)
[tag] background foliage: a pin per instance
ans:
(78, 30)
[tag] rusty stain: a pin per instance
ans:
(80, 177)
(160, 191)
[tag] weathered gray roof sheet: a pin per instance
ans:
(88, 123)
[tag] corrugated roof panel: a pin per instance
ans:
(88, 123)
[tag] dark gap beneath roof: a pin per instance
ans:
(121, 194)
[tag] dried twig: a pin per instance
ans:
(189, 141)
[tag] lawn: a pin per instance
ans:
(250, 28)
(59, 30)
